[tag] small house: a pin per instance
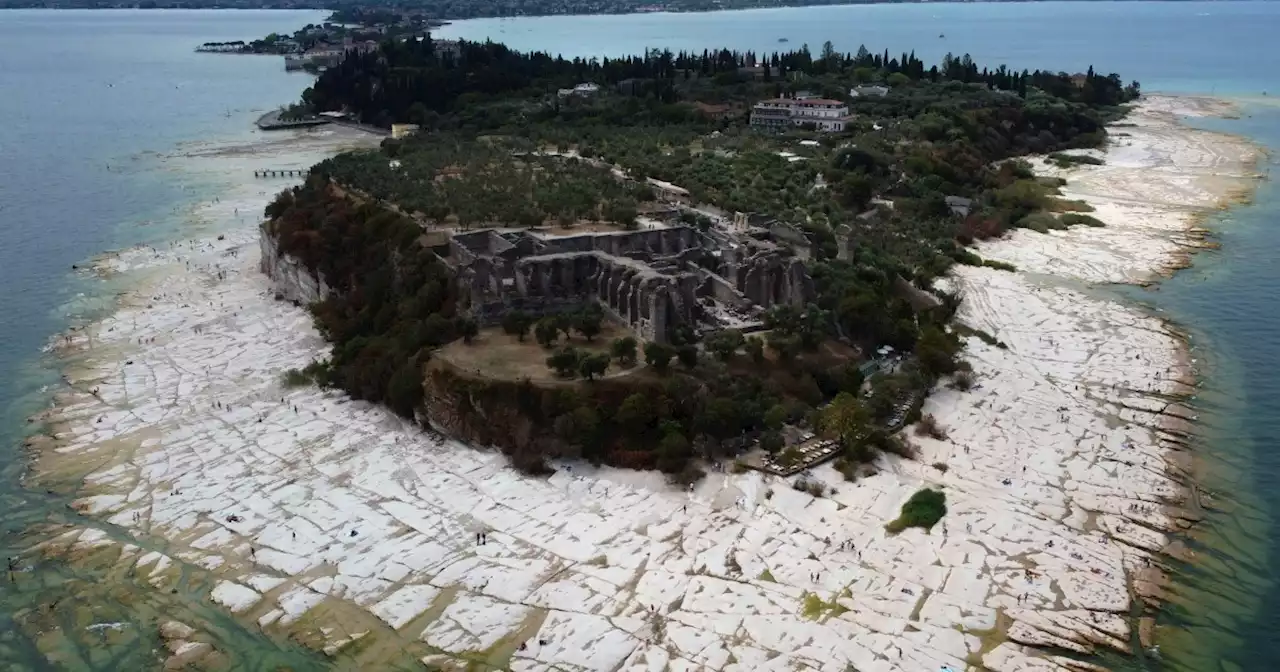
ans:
(959, 205)
(710, 111)
(401, 131)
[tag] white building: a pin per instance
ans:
(824, 114)
(876, 91)
(584, 90)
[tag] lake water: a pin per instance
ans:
(1222, 47)
(93, 100)
(93, 103)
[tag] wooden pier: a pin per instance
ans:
(282, 172)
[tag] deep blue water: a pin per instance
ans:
(91, 100)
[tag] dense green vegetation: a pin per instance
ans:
(652, 420)
(887, 206)
(925, 508)
(941, 131)
(489, 86)
(393, 304)
(392, 299)
(446, 180)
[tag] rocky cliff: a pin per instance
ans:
(501, 414)
(481, 413)
(289, 277)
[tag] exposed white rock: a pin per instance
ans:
(401, 606)
(176, 630)
(234, 596)
(299, 497)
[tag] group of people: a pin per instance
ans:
(848, 546)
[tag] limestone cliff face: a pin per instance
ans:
(478, 412)
(288, 276)
(483, 413)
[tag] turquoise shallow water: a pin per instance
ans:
(95, 100)
(1226, 302)
(95, 105)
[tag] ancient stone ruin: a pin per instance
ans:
(654, 281)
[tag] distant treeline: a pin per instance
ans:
(381, 87)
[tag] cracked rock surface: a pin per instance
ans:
(335, 521)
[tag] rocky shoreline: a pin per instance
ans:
(333, 521)
(1160, 181)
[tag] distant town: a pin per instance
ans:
(315, 47)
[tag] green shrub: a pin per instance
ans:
(999, 265)
(318, 372)
(966, 257)
(1067, 205)
(966, 330)
(812, 608)
(1068, 160)
(847, 468)
(924, 509)
(1075, 218)
(1040, 222)
(295, 378)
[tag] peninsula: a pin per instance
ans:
(774, 222)
(722, 360)
(317, 46)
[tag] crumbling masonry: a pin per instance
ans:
(654, 281)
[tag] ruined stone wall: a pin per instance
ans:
(647, 302)
(769, 279)
(648, 280)
(719, 289)
(791, 237)
(639, 244)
